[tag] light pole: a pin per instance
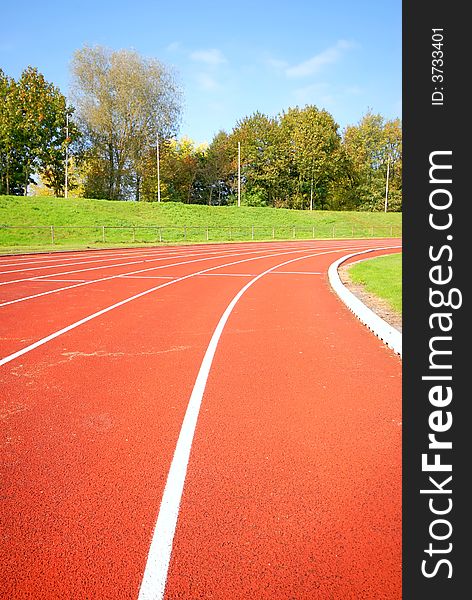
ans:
(158, 169)
(386, 184)
(66, 185)
(239, 173)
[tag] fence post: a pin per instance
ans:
(273, 233)
(208, 234)
(313, 232)
(52, 234)
(252, 232)
(185, 232)
(333, 231)
(134, 234)
(294, 232)
(391, 230)
(372, 231)
(103, 233)
(160, 234)
(230, 234)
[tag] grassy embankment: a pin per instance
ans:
(81, 223)
(381, 276)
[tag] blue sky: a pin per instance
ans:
(232, 58)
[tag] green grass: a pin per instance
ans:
(381, 276)
(79, 222)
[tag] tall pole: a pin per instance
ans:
(386, 184)
(66, 186)
(158, 169)
(311, 187)
(239, 173)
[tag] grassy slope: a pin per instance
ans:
(36, 211)
(381, 276)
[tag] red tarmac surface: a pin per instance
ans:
(293, 488)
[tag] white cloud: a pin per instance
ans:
(313, 93)
(315, 63)
(211, 57)
(174, 47)
(207, 82)
(276, 63)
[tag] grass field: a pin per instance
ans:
(381, 276)
(44, 222)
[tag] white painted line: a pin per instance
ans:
(383, 330)
(56, 334)
(228, 274)
(297, 273)
(157, 565)
(146, 277)
(122, 275)
(55, 280)
(161, 257)
(84, 258)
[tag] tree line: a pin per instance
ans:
(119, 134)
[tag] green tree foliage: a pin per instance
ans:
(295, 160)
(32, 132)
(258, 136)
(10, 163)
(219, 170)
(312, 154)
(123, 102)
(372, 146)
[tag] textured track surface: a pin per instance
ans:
(293, 488)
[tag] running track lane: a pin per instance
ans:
(92, 424)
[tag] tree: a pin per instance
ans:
(313, 156)
(219, 170)
(373, 146)
(10, 168)
(32, 131)
(123, 102)
(258, 135)
(180, 167)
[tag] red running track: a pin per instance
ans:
(293, 486)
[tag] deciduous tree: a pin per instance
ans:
(123, 102)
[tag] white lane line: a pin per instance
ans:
(55, 280)
(122, 275)
(297, 273)
(160, 257)
(132, 253)
(78, 255)
(107, 309)
(115, 254)
(147, 277)
(85, 259)
(157, 565)
(229, 274)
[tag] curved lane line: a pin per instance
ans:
(124, 275)
(153, 258)
(56, 334)
(157, 564)
(383, 330)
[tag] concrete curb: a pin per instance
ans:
(388, 334)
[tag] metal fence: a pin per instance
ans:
(52, 235)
